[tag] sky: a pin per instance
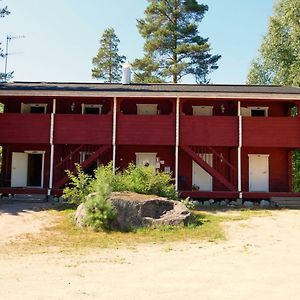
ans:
(62, 36)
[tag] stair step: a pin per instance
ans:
(32, 198)
(292, 202)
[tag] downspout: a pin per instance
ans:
(240, 152)
(177, 144)
(114, 137)
(51, 147)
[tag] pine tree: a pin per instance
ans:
(4, 77)
(173, 47)
(108, 63)
(279, 53)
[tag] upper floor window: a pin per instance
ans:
(202, 110)
(254, 111)
(147, 109)
(92, 109)
(34, 108)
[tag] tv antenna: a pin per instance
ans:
(8, 40)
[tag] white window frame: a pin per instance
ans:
(25, 107)
(84, 106)
(197, 109)
(142, 107)
(247, 111)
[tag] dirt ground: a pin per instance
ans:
(260, 260)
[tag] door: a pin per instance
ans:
(146, 159)
(35, 169)
(201, 179)
(19, 169)
(258, 173)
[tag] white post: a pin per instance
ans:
(240, 152)
(114, 137)
(51, 148)
(177, 143)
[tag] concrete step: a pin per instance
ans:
(289, 202)
(31, 198)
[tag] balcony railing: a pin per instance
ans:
(209, 130)
(271, 132)
(146, 130)
(83, 129)
(24, 128)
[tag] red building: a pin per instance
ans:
(219, 141)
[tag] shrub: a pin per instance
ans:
(79, 186)
(99, 211)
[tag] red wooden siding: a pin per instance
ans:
(271, 132)
(146, 130)
(24, 128)
(206, 130)
(83, 129)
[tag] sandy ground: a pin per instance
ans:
(260, 260)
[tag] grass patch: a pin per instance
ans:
(64, 236)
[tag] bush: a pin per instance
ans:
(79, 186)
(99, 211)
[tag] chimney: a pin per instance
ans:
(126, 73)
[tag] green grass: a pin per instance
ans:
(64, 236)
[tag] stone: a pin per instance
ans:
(239, 201)
(264, 203)
(248, 204)
(135, 210)
(233, 203)
(223, 203)
(211, 201)
(206, 203)
(196, 203)
(227, 201)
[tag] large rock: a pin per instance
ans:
(136, 210)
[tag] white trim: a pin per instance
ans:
(240, 142)
(177, 142)
(52, 147)
(264, 108)
(114, 137)
(146, 153)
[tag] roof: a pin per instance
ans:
(109, 89)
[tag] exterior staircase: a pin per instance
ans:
(68, 163)
(222, 170)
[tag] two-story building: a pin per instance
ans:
(218, 141)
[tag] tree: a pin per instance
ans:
(4, 77)
(279, 58)
(173, 47)
(279, 54)
(108, 63)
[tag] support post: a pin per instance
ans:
(51, 148)
(177, 142)
(240, 152)
(114, 137)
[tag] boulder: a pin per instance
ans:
(248, 204)
(136, 210)
(223, 203)
(206, 203)
(264, 203)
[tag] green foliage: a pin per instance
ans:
(188, 203)
(144, 180)
(99, 211)
(296, 170)
(79, 186)
(107, 63)
(279, 58)
(173, 47)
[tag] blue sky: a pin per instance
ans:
(62, 36)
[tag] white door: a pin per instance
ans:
(201, 178)
(258, 173)
(19, 169)
(146, 159)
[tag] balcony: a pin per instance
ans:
(146, 130)
(271, 132)
(83, 129)
(24, 128)
(209, 130)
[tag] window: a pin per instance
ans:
(33, 108)
(202, 110)
(92, 109)
(259, 111)
(146, 109)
